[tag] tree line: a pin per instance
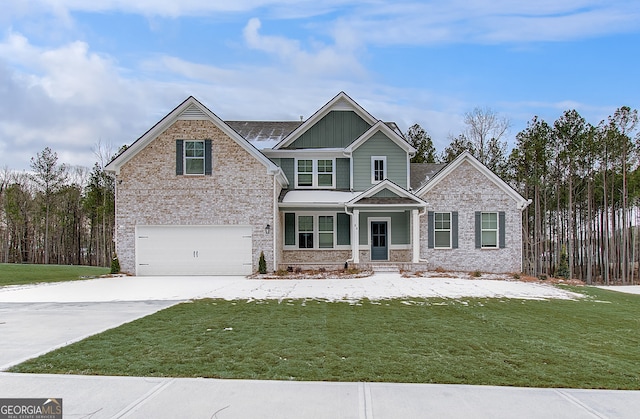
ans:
(57, 214)
(583, 181)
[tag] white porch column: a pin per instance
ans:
(415, 235)
(355, 235)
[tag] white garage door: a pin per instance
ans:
(193, 250)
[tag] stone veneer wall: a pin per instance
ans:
(148, 191)
(465, 191)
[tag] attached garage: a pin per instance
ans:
(193, 250)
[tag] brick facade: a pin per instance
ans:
(467, 190)
(148, 191)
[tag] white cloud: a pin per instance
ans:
(337, 59)
(66, 98)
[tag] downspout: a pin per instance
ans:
(346, 210)
(420, 214)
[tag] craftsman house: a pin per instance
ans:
(196, 195)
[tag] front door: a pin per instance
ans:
(379, 242)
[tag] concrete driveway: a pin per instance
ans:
(36, 319)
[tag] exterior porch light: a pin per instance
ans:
(267, 229)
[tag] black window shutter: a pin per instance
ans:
(501, 228)
(478, 229)
(454, 229)
(430, 233)
(179, 157)
(289, 229)
(343, 227)
(207, 157)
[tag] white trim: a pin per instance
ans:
(391, 134)
(316, 231)
(450, 230)
(115, 165)
(308, 153)
(466, 156)
(387, 184)
(184, 157)
(373, 169)
(314, 173)
(415, 236)
(497, 230)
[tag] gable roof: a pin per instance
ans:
(402, 196)
(388, 131)
(341, 102)
(468, 157)
(192, 109)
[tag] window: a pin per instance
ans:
(305, 172)
(442, 229)
(305, 232)
(378, 169)
(325, 173)
(325, 231)
(315, 231)
(315, 173)
(489, 230)
(194, 157)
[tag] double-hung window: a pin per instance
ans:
(378, 168)
(194, 157)
(325, 231)
(315, 173)
(442, 229)
(305, 231)
(489, 230)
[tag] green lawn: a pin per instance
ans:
(590, 343)
(16, 274)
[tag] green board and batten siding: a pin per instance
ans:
(337, 129)
(400, 226)
(379, 145)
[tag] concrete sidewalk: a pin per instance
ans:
(134, 397)
(37, 319)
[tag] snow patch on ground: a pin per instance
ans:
(380, 286)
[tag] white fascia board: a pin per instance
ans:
(337, 103)
(467, 156)
(171, 118)
(306, 152)
(386, 184)
(384, 128)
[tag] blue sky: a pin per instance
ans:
(75, 73)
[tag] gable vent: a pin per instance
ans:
(193, 112)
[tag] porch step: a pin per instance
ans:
(385, 269)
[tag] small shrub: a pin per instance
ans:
(282, 272)
(115, 265)
(542, 277)
(298, 270)
(515, 275)
(352, 271)
(262, 264)
(476, 273)
(322, 270)
(440, 270)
